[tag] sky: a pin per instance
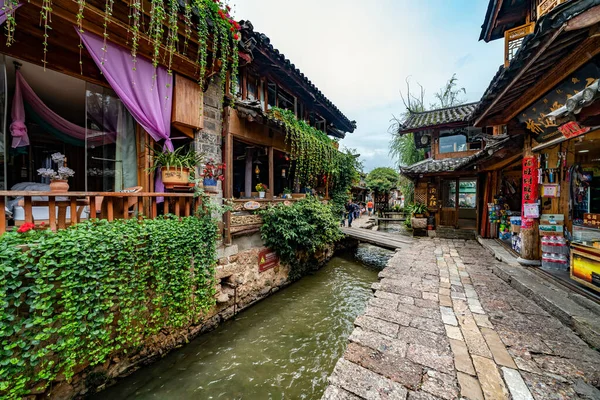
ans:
(359, 53)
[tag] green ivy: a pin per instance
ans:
(77, 297)
(297, 232)
(312, 149)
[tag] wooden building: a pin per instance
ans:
(255, 147)
(548, 87)
(451, 180)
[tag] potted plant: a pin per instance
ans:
(287, 193)
(176, 166)
(419, 210)
(58, 178)
(261, 188)
(212, 173)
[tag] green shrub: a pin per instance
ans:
(305, 227)
(82, 295)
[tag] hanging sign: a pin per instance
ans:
(535, 118)
(432, 199)
(530, 189)
(267, 259)
(591, 220)
(573, 129)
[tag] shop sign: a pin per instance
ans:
(252, 205)
(267, 259)
(551, 190)
(530, 190)
(432, 199)
(572, 129)
(534, 118)
(591, 220)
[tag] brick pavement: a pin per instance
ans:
(442, 326)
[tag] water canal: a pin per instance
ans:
(283, 347)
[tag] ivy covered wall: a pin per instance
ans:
(75, 298)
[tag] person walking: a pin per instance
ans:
(370, 207)
(350, 211)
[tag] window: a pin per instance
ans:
(285, 100)
(251, 87)
(460, 140)
(467, 193)
(272, 94)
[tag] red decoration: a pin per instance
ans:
(267, 259)
(530, 188)
(27, 226)
(572, 129)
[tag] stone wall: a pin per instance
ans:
(208, 139)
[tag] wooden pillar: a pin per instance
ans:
(228, 184)
(530, 240)
(248, 179)
(271, 173)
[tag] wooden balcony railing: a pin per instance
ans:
(59, 210)
(545, 6)
(513, 38)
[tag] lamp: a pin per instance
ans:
(257, 170)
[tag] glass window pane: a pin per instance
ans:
(467, 193)
(449, 194)
(272, 94)
(111, 159)
(449, 144)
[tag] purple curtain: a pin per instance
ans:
(19, 131)
(10, 8)
(147, 92)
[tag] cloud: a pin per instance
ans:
(359, 53)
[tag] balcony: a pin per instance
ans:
(61, 210)
(545, 6)
(513, 39)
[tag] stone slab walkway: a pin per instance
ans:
(442, 326)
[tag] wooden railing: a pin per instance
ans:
(513, 38)
(59, 210)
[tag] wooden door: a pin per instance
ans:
(448, 211)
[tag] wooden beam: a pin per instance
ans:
(118, 33)
(582, 54)
(521, 72)
(584, 20)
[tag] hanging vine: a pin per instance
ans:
(108, 10)
(80, 10)
(314, 152)
(11, 23)
(46, 19)
(172, 36)
(136, 11)
(157, 17)
(187, 21)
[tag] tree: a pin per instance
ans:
(448, 96)
(382, 180)
(347, 175)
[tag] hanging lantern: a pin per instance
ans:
(283, 173)
(256, 170)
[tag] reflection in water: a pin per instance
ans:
(283, 347)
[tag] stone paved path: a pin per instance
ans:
(442, 326)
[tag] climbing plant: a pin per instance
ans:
(215, 28)
(298, 231)
(312, 149)
(77, 297)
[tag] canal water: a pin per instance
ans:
(283, 347)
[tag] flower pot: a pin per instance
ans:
(261, 195)
(210, 185)
(59, 185)
(172, 175)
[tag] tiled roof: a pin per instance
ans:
(343, 123)
(549, 35)
(429, 165)
(437, 117)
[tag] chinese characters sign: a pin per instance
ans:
(530, 188)
(591, 220)
(534, 118)
(432, 197)
(572, 129)
(267, 259)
